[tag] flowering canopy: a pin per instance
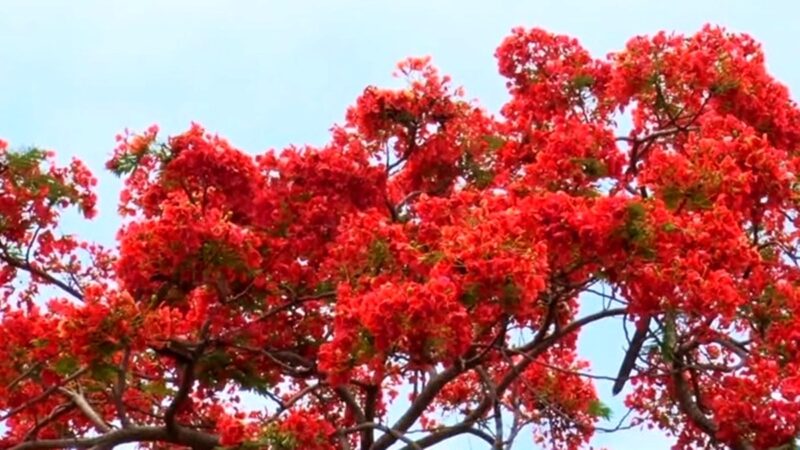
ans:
(429, 248)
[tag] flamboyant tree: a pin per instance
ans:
(430, 251)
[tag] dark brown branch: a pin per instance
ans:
(187, 378)
(182, 436)
(28, 372)
(449, 432)
(370, 402)
(418, 406)
(491, 393)
(376, 426)
(654, 135)
(54, 415)
(119, 389)
(185, 388)
(36, 272)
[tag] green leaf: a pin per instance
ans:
(104, 372)
(325, 287)
(671, 195)
(724, 86)
(583, 80)
(277, 439)
(767, 253)
(669, 227)
(253, 382)
(471, 295)
(66, 365)
(635, 232)
(599, 409)
(494, 142)
(125, 164)
(24, 160)
(511, 294)
(480, 175)
(433, 257)
(157, 388)
(636, 212)
(700, 200)
(365, 344)
(379, 254)
(592, 167)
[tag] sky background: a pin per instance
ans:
(266, 74)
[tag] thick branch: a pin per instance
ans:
(376, 426)
(182, 436)
(418, 406)
(80, 401)
(449, 432)
(187, 380)
(370, 400)
(119, 389)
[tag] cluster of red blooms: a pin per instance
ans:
(430, 246)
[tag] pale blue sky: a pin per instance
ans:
(266, 74)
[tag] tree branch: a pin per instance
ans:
(80, 401)
(182, 436)
(119, 389)
(533, 348)
(376, 426)
(35, 271)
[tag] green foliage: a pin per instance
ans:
(24, 165)
(670, 227)
(378, 255)
(592, 167)
(600, 410)
(66, 365)
(471, 295)
(277, 439)
(128, 162)
(325, 287)
(511, 294)
(249, 380)
(157, 388)
(102, 372)
(366, 342)
(635, 231)
(494, 142)
(23, 160)
(476, 173)
(693, 198)
(432, 258)
(582, 81)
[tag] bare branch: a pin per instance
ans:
(119, 389)
(36, 272)
(182, 436)
(376, 426)
(80, 401)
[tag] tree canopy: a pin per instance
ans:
(433, 260)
